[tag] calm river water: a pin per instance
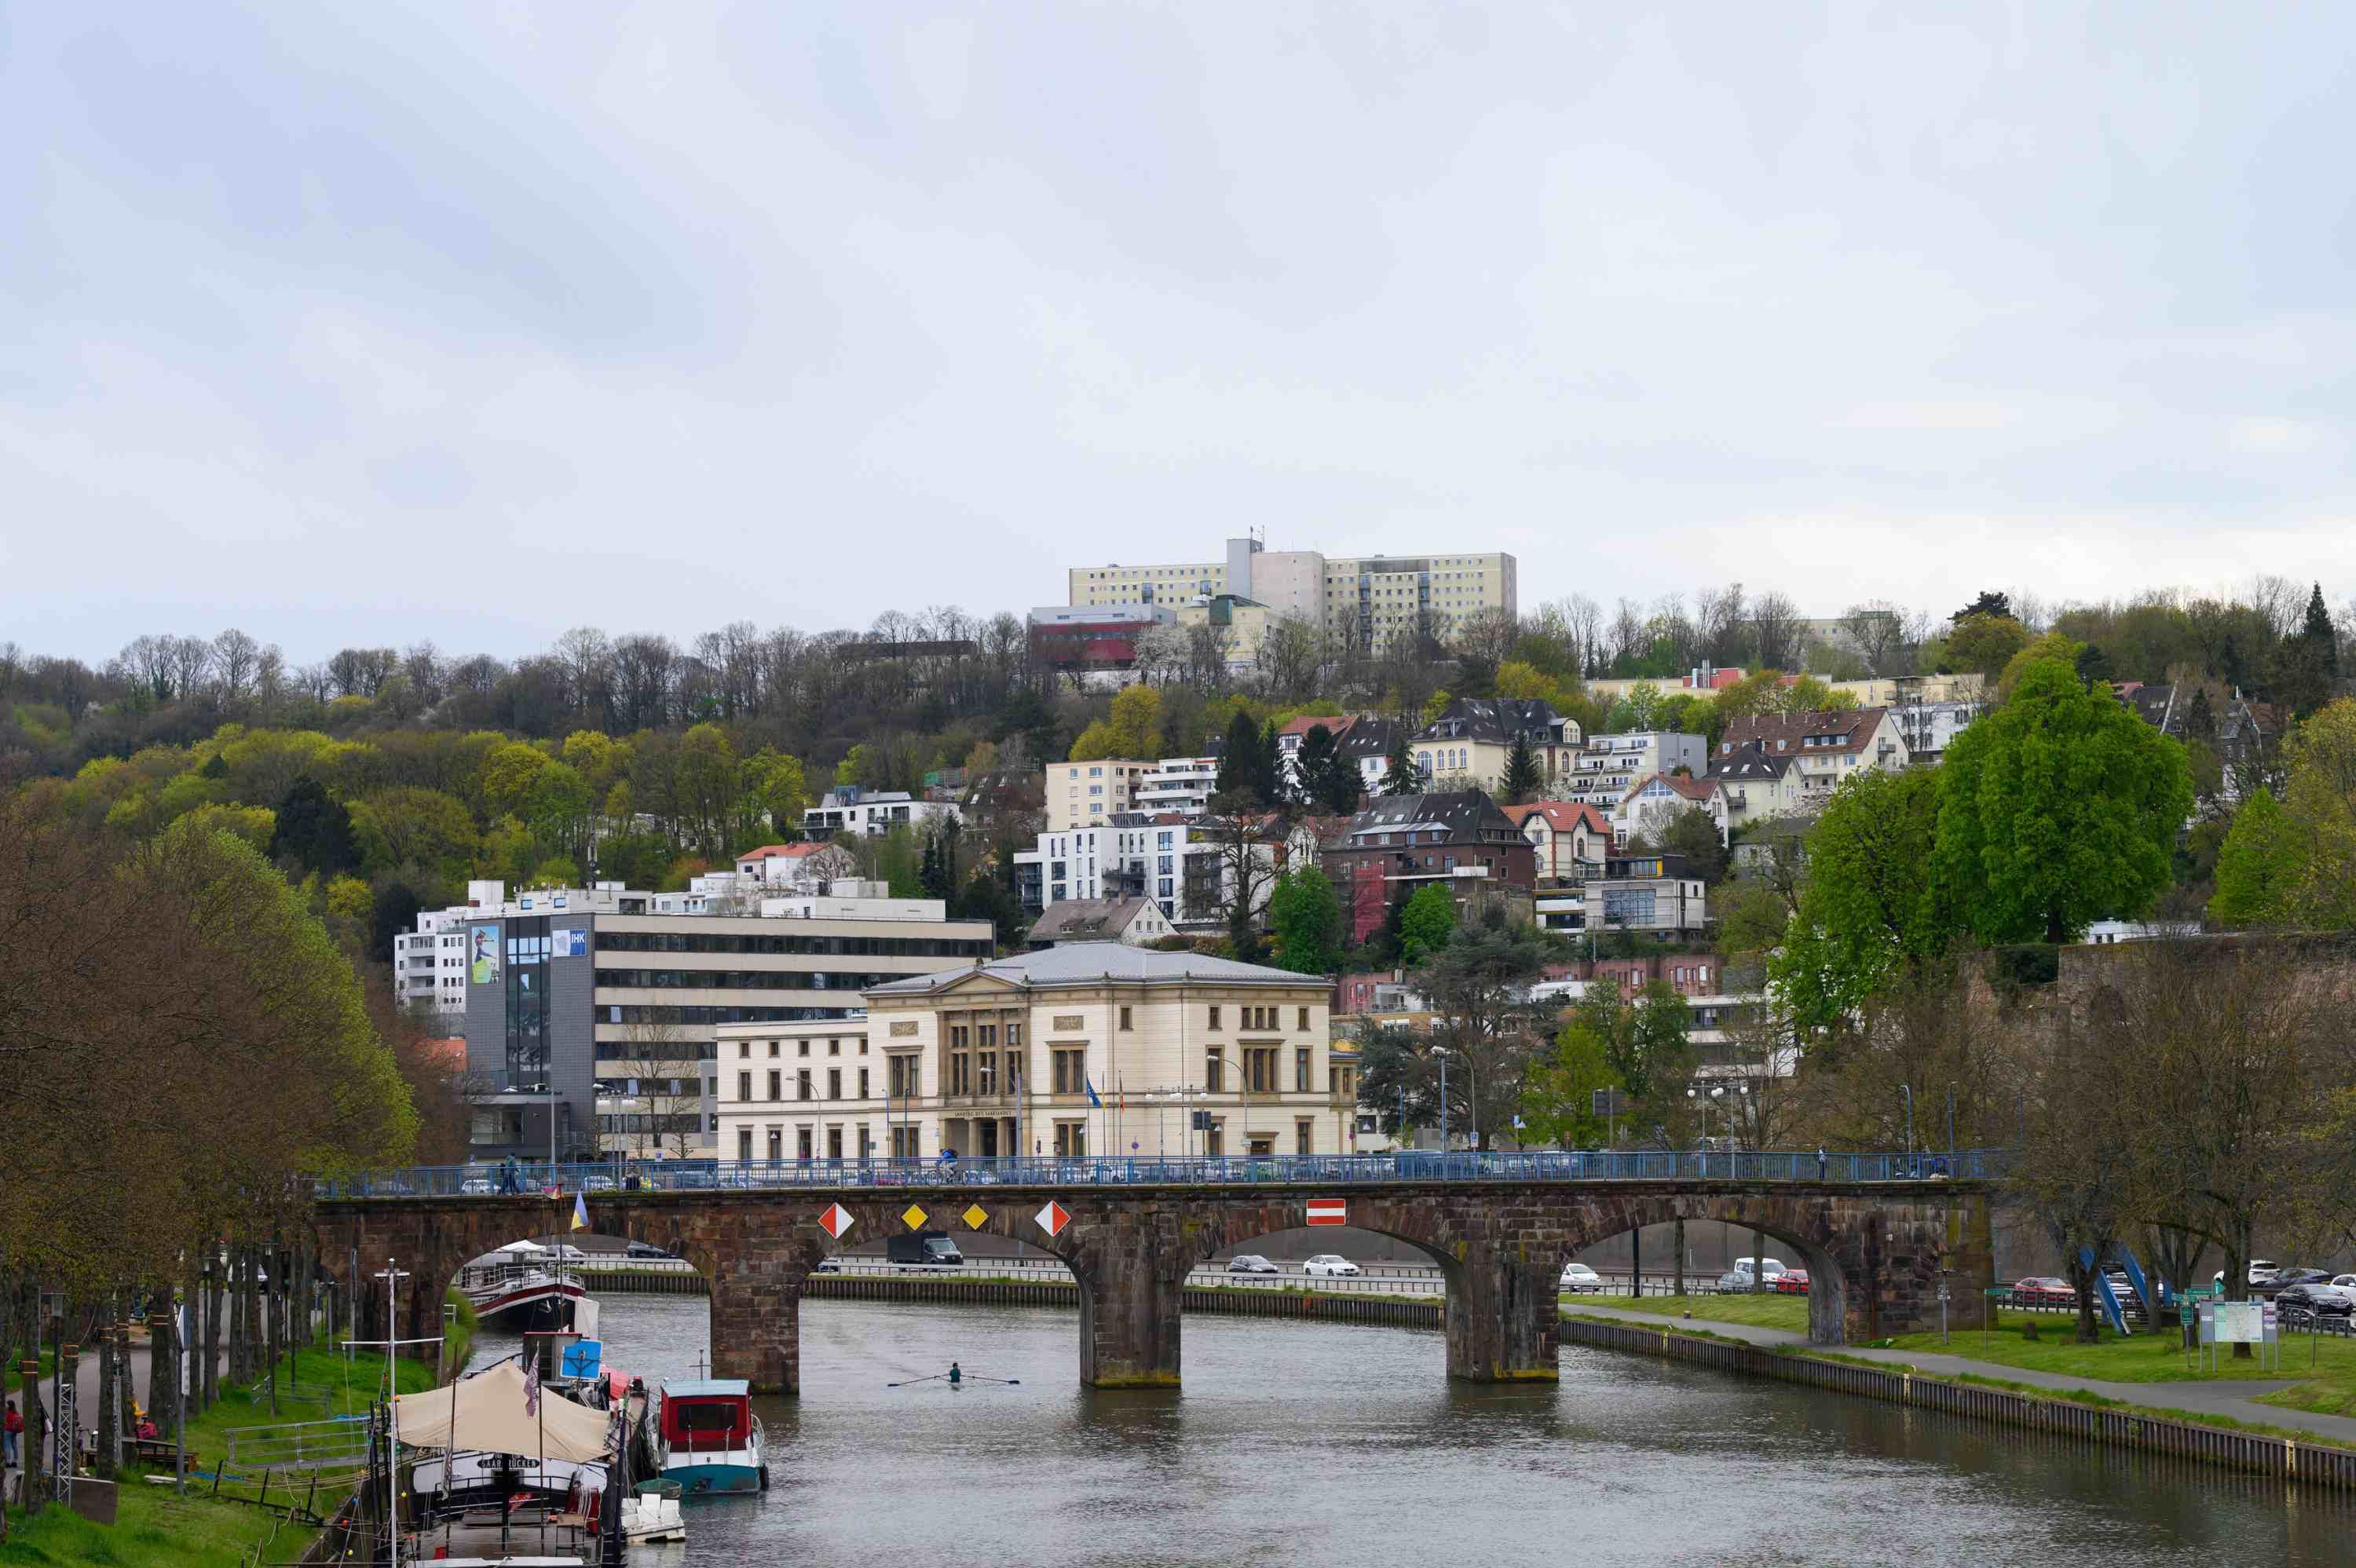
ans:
(1325, 1443)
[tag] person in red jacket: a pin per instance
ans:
(11, 1426)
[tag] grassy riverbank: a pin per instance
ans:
(153, 1528)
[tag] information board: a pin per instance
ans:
(2240, 1323)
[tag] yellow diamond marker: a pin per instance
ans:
(976, 1217)
(914, 1216)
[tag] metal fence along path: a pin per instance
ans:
(1600, 1166)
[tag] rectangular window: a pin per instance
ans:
(805, 1045)
(743, 1048)
(776, 1144)
(1070, 1071)
(774, 1092)
(862, 1082)
(1124, 1018)
(1300, 1135)
(802, 1141)
(1300, 1070)
(1215, 1142)
(1303, 1024)
(743, 1085)
(1215, 1018)
(773, 1047)
(808, 1091)
(1072, 1139)
(903, 1143)
(960, 1072)
(986, 1080)
(1213, 1065)
(744, 1143)
(834, 1048)
(834, 1083)
(834, 1143)
(1259, 1070)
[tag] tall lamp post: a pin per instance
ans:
(1441, 1052)
(1908, 1090)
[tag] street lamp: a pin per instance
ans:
(1442, 1052)
(1908, 1090)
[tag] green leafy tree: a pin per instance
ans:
(2061, 807)
(1477, 986)
(1985, 643)
(858, 761)
(1867, 907)
(1306, 921)
(1643, 1045)
(1426, 923)
(1558, 1102)
(1328, 780)
(408, 825)
(312, 829)
(1400, 776)
(1523, 779)
(1239, 767)
(2258, 868)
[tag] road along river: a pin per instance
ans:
(1311, 1443)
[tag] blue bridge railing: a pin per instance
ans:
(534, 1178)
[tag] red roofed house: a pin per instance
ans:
(1571, 839)
(1824, 748)
(806, 867)
(1650, 804)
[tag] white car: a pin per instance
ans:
(1329, 1265)
(2259, 1269)
(1578, 1279)
(2344, 1281)
(1739, 1277)
(476, 1185)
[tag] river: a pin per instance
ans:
(1314, 1443)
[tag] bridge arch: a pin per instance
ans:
(1812, 1237)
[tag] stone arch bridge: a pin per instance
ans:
(1874, 1252)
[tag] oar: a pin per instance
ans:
(913, 1381)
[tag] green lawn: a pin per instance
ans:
(151, 1529)
(1766, 1309)
(2136, 1358)
(154, 1526)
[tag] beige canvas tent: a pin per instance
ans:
(490, 1418)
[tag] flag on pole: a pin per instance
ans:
(532, 1385)
(1094, 1103)
(580, 1211)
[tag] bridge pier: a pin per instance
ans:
(1133, 1279)
(1503, 1316)
(756, 1316)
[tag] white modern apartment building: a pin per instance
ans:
(1167, 858)
(1086, 795)
(1080, 1049)
(1182, 784)
(871, 813)
(1374, 596)
(1608, 766)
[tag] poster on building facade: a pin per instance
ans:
(483, 954)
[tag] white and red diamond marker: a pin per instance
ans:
(837, 1220)
(1328, 1211)
(1053, 1218)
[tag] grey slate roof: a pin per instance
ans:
(1463, 815)
(1092, 963)
(1750, 762)
(1075, 919)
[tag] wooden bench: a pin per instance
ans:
(159, 1451)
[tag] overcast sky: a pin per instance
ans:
(368, 323)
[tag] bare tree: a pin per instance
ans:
(1289, 659)
(235, 655)
(663, 1079)
(1484, 639)
(1245, 835)
(1627, 637)
(1584, 617)
(1876, 629)
(1207, 651)
(1776, 631)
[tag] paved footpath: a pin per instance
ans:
(2228, 1398)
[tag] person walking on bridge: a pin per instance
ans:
(1820, 1162)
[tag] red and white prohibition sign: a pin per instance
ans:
(1328, 1211)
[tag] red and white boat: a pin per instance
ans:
(522, 1292)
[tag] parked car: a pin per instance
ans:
(1251, 1262)
(2043, 1290)
(2284, 1278)
(829, 1265)
(1330, 1265)
(1773, 1266)
(596, 1184)
(2299, 1303)
(476, 1185)
(644, 1250)
(1738, 1278)
(2259, 1269)
(2344, 1281)
(1577, 1279)
(1792, 1282)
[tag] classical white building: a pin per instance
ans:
(1092, 1048)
